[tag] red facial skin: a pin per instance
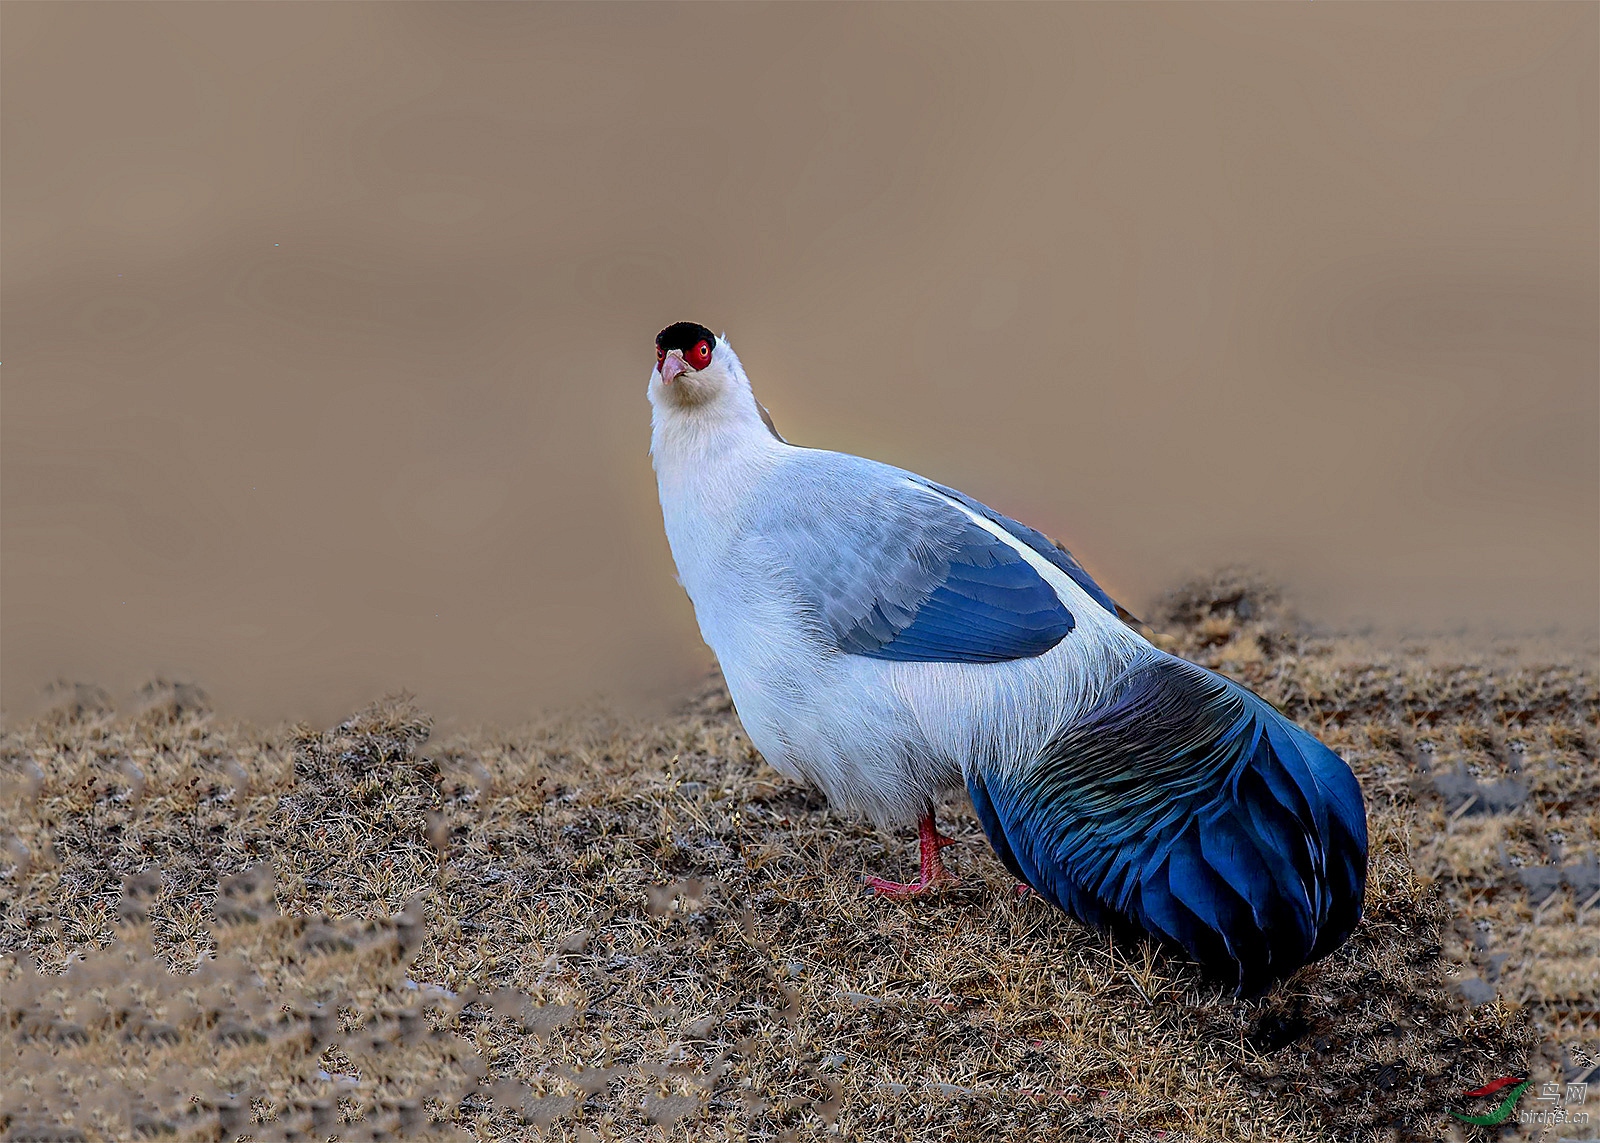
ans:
(698, 357)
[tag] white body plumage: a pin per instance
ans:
(879, 736)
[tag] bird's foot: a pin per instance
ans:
(902, 890)
(934, 875)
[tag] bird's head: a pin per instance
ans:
(698, 380)
(693, 367)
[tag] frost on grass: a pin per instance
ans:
(592, 928)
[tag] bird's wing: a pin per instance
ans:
(1187, 806)
(894, 570)
(1042, 544)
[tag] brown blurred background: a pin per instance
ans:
(327, 327)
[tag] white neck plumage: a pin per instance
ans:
(711, 452)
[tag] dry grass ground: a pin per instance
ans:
(597, 929)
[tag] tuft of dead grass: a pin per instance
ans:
(596, 928)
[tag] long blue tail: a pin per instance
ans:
(1185, 806)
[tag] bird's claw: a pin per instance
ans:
(934, 874)
(902, 890)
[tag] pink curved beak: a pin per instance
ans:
(672, 366)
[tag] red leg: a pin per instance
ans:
(934, 874)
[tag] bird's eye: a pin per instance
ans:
(661, 355)
(700, 355)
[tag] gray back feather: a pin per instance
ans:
(866, 546)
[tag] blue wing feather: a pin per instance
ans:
(1186, 807)
(977, 615)
(1036, 540)
(893, 569)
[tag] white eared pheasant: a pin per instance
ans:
(886, 638)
